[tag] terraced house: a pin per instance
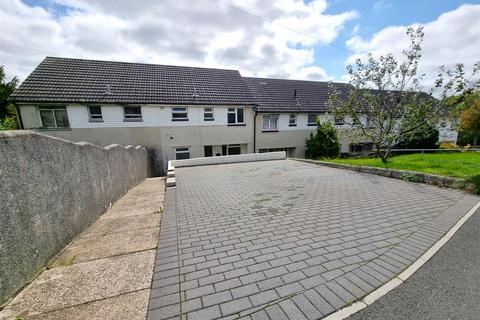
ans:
(177, 112)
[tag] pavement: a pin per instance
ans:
(106, 272)
(289, 240)
(446, 287)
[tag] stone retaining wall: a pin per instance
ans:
(413, 176)
(51, 189)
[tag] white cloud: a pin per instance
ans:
(454, 37)
(199, 33)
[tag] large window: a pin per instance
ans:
(312, 119)
(179, 114)
(182, 153)
(132, 113)
(292, 121)
(95, 114)
(233, 149)
(270, 122)
(236, 116)
(208, 114)
(54, 117)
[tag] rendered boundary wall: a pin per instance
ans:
(280, 155)
(52, 189)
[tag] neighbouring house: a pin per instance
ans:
(177, 112)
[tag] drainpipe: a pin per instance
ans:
(255, 132)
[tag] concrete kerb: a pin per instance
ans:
(412, 176)
(404, 275)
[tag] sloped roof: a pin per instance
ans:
(92, 81)
(281, 95)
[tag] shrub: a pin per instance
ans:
(425, 137)
(448, 145)
(324, 143)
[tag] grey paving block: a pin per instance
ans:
(216, 298)
(246, 290)
(235, 306)
(263, 297)
(291, 310)
(205, 314)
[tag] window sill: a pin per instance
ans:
(93, 120)
(208, 119)
(269, 130)
(236, 124)
(132, 120)
(311, 124)
(176, 120)
(292, 125)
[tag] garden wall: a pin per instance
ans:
(52, 189)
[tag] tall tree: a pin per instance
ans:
(8, 114)
(384, 102)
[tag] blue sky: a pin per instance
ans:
(374, 16)
(213, 34)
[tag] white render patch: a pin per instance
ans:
(249, 157)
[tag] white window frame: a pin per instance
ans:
(294, 122)
(132, 117)
(95, 117)
(310, 124)
(235, 111)
(208, 115)
(270, 122)
(180, 111)
(182, 150)
(52, 110)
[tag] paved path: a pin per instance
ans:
(288, 240)
(446, 287)
(105, 273)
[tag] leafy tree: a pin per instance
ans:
(8, 114)
(324, 143)
(425, 137)
(470, 118)
(384, 96)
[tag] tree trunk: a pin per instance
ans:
(475, 141)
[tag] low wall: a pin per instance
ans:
(280, 155)
(52, 189)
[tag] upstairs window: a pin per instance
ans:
(208, 114)
(292, 121)
(312, 119)
(236, 116)
(54, 117)
(182, 153)
(270, 122)
(132, 114)
(95, 114)
(179, 114)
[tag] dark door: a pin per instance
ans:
(208, 151)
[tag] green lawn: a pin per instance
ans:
(462, 165)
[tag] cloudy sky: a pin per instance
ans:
(309, 39)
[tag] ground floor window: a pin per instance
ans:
(182, 153)
(360, 147)
(233, 149)
(54, 117)
(270, 122)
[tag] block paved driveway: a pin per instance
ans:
(288, 240)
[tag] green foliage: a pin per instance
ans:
(475, 180)
(324, 143)
(8, 114)
(465, 138)
(410, 177)
(424, 137)
(458, 164)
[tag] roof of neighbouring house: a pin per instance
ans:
(91, 81)
(281, 95)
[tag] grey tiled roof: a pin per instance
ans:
(278, 95)
(76, 80)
